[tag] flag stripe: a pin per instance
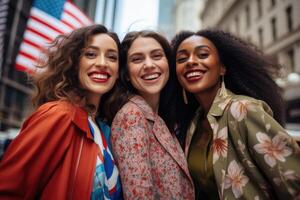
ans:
(29, 42)
(29, 29)
(43, 28)
(50, 21)
(36, 39)
(71, 8)
(48, 26)
(27, 55)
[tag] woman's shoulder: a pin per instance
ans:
(249, 100)
(247, 104)
(130, 107)
(56, 108)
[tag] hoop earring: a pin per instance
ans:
(223, 91)
(185, 100)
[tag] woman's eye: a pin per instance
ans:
(112, 57)
(181, 59)
(202, 55)
(157, 56)
(136, 60)
(90, 54)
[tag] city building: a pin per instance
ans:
(15, 104)
(177, 15)
(272, 25)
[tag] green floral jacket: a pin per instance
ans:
(253, 156)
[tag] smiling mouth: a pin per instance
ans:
(194, 75)
(99, 77)
(149, 77)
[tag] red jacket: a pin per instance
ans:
(53, 157)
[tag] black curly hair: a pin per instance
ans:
(248, 71)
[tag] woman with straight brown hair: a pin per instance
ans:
(151, 162)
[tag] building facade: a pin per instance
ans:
(177, 15)
(272, 25)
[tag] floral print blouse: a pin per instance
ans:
(151, 161)
(253, 156)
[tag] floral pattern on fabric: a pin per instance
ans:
(272, 149)
(219, 143)
(150, 159)
(253, 156)
(235, 179)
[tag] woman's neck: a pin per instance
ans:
(94, 100)
(152, 100)
(206, 98)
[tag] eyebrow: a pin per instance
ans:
(196, 48)
(138, 52)
(97, 48)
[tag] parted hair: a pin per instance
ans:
(58, 79)
(125, 89)
(248, 71)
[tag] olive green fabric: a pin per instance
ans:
(200, 164)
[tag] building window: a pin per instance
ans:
(274, 30)
(248, 19)
(291, 56)
(289, 13)
(259, 8)
(273, 3)
(260, 38)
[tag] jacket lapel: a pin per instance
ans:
(80, 119)
(220, 137)
(171, 145)
(162, 134)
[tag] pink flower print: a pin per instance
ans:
(239, 109)
(235, 179)
(273, 150)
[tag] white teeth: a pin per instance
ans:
(99, 76)
(152, 76)
(192, 74)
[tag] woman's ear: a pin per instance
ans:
(223, 70)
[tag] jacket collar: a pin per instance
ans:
(217, 109)
(80, 119)
(163, 135)
(144, 106)
(220, 103)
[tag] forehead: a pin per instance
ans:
(144, 45)
(102, 40)
(194, 41)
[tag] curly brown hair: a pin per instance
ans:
(59, 77)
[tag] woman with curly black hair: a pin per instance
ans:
(234, 146)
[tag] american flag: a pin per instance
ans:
(3, 18)
(47, 20)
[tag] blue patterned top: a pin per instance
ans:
(107, 185)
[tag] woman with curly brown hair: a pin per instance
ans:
(63, 148)
(234, 147)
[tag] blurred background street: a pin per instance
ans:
(272, 25)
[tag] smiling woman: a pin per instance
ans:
(63, 149)
(151, 162)
(234, 147)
